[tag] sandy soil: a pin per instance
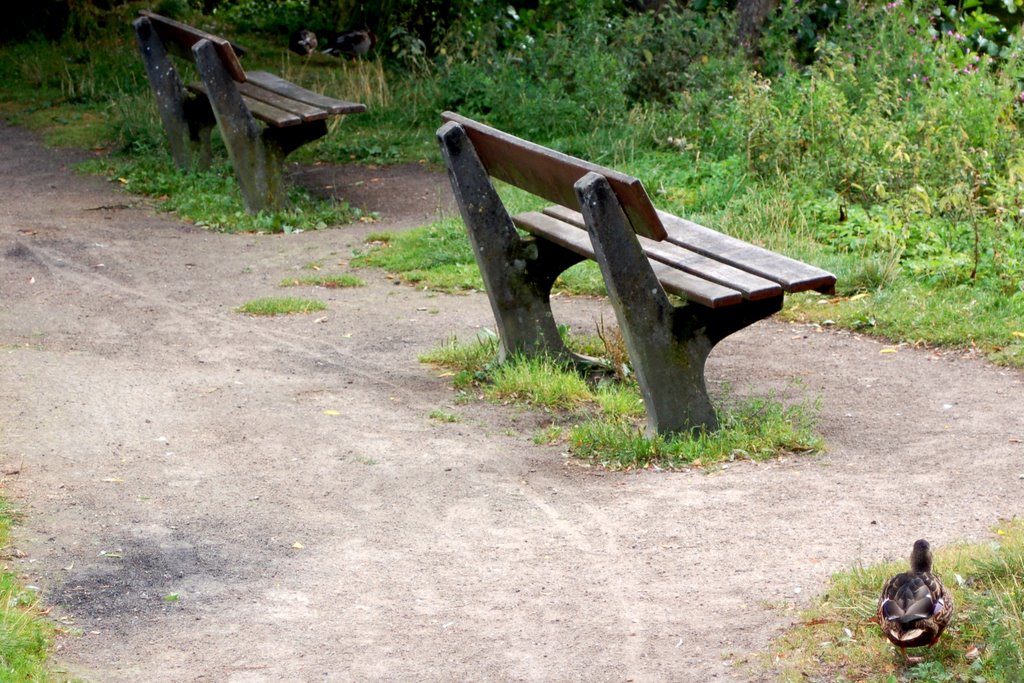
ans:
(283, 477)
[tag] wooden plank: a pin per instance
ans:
(306, 112)
(752, 287)
(551, 175)
(693, 288)
(267, 113)
(284, 88)
(793, 275)
(179, 38)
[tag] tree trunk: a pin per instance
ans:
(750, 16)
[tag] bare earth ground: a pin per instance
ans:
(284, 479)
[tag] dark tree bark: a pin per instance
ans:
(750, 18)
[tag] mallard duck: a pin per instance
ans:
(915, 607)
(302, 42)
(351, 44)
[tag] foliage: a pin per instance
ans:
(272, 16)
(887, 149)
(839, 639)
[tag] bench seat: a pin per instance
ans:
(234, 99)
(644, 255)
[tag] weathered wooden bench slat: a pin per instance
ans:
(306, 112)
(751, 286)
(694, 288)
(281, 87)
(793, 275)
(267, 113)
(550, 174)
(179, 38)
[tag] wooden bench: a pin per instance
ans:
(234, 99)
(644, 255)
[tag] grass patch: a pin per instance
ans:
(838, 640)
(24, 635)
(958, 316)
(438, 256)
(444, 416)
(328, 281)
(601, 416)
(212, 199)
(755, 428)
(281, 306)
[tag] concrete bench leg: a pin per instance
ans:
(668, 345)
(518, 272)
(258, 166)
(187, 120)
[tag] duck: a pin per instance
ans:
(351, 44)
(915, 607)
(302, 42)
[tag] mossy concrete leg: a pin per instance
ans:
(668, 345)
(518, 272)
(187, 120)
(258, 166)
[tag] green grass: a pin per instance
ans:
(281, 306)
(212, 199)
(601, 419)
(328, 281)
(837, 639)
(438, 256)
(886, 160)
(24, 635)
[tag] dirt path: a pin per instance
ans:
(284, 480)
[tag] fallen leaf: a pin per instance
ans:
(1017, 333)
(172, 597)
(112, 480)
(889, 351)
(297, 546)
(332, 413)
(857, 297)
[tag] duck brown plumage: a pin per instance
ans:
(302, 42)
(915, 607)
(351, 44)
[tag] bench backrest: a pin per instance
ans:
(179, 38)
(551, 175)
